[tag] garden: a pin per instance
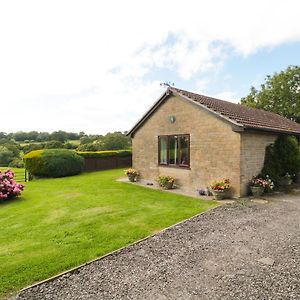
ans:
(60, 223)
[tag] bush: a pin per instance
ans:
(53, 163)
(16, 163)
(120, 153)
(31, 147)
(281, 158)
(9, 189)
(6, 156)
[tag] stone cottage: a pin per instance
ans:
(197, 139)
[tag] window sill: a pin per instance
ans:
(175, 167)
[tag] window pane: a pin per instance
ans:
(163, 141)
(173, 150)
(184, 150)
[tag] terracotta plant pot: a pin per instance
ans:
(257, 191)
(220, 194)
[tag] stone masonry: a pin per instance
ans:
(214, 147)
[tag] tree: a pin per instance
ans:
(11, 146)
(60, 136)
(6, 156)
(3, 135)
(115, 141)
(43, 136)
(281, 158)
(279, 94)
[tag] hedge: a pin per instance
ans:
(109, 153)
(53, 163)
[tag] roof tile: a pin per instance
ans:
(245, 116)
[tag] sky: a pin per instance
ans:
(96, 66)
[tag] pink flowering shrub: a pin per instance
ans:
(9, 188)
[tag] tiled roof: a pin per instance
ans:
(244, 116)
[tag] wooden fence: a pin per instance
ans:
(21, 175)
(105, 163)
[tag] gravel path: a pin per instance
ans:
(236, 251)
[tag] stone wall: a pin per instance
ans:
(214, 147)
(253, 145)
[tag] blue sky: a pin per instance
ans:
(96, 66)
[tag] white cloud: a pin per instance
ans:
(84, 64)
(228, 96)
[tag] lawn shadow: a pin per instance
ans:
(4, 202)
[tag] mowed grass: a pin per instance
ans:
(60, 223)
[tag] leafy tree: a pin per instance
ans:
(43, 137)
(6, 156)
(73, 136)
(53, 145)
(281, 158)
(86, 140)
(279, 94)
(114, 141)
(3, 135)
(60, 136)
(11, 146)
(30, 147)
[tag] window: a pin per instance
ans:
(174, 150)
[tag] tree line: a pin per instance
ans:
(14, 145)
(35, 136)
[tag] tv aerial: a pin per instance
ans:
(167, 83)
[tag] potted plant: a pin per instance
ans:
(270, 185)
(285, 180)
(132, 174)
(259, 184)
(166, 182)
(220, 188)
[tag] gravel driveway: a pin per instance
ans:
(237, 251)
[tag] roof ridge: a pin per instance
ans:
(240, 117)
(241, 114)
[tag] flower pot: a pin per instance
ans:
(219, 194)
(168, 186)
(257, 191)
(131, 177)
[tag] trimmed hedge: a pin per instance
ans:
(53, 163)
(109, 153)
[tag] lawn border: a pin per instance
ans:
(113, 252)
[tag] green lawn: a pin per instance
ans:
(61, 223)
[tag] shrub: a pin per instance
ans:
(281, 158)
(16, 163)
(53, 163)
(9, 189)
(108, 153)
(6, 156)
